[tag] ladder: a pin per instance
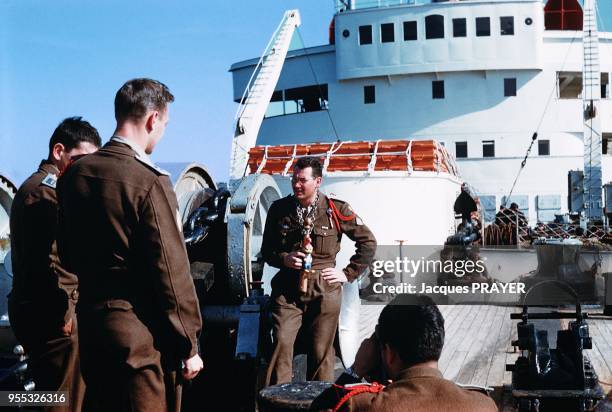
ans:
(258, 92)
(591, 95)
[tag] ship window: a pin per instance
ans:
(437, 89)
(459, 28)
(387, 32)
(306, 99)
(509, 87)
(434, 27)
(488, 148)
(605, 86)
(569, 85)
(365, 34)
(483, 26)
(543, 147)
(461, 150)
(606, 141)
(276, 106)
(506, 25)
(410, 30)
(369, 94)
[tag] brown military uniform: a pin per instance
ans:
(138, 309)
(41, 304)
(418, 389)
(319, 308)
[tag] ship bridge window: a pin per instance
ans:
(543, 147)
(483, 26)
(369, 94)
(277, 105)
(488, 148)
(365, 34)
(434, 27)
(437, 89)
(410, 30)
(461, 150)
(506, 25)
(605, 86)
(509, 87)
(606, 142)
(569, 85)
(387, 33)
(306, 99)
(459, 28)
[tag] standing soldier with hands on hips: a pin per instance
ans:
(302, 237)
(121, 235)
(44, 295)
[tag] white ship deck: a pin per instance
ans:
(478, 346)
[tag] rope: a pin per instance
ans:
(372, 388)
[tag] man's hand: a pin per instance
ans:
(192, 366)
(293, 260)
(367, 358)
(331, 275)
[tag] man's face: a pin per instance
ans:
(158, 129)
(63, 157)
(304, 185)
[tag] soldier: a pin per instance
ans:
(406, 348)
(41, 304)
(302, 238)
(121, 235)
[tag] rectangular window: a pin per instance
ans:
(461, 150)
(365, 34)
(509, 87)
(410, 30)
(369, 94)
(543, 147)
(606, 142)
(459, 28)
(506, 25)
(483, 26)
(387, 33)
(488, 148)
(434, 27)
(437, 89)
(605, 82)
(569, 85)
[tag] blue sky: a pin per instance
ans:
(68, 57)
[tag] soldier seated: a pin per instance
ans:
(405, 348)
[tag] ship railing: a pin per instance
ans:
(343, 5)
(511, 229)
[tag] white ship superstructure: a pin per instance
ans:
(480, 77)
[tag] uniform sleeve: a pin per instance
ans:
(271, 243)
(365, 243)
(165, 259)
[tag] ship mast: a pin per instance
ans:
(591, 95)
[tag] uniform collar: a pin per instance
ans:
(140, 154)
(48, 167)
(420, 372)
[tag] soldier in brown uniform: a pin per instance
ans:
(405, 348)
(318, 306)
(121, 235)
(41, 304)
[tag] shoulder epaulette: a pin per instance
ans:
(356, 389)
(151, 165)
(337, 215)
(50, 180)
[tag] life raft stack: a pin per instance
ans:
(364, 156)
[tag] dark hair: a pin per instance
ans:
(514, 206)
(414, 327)
(139, 96)
(72, 131)
(310, 161)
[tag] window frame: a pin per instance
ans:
(488, 144)
(361, 34)
(416, 30)
(479, 32)
(544, 141)
(464, 145)
(501, 25)
(510, 84)
(434, 21)
(435, 83)
(382, 32)
(455, 22)
(366, 90)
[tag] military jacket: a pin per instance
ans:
(121, 234)
(283, 234)
(418, 389)
(40, 284)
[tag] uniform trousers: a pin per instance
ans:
(317, 311)
(123, 365)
